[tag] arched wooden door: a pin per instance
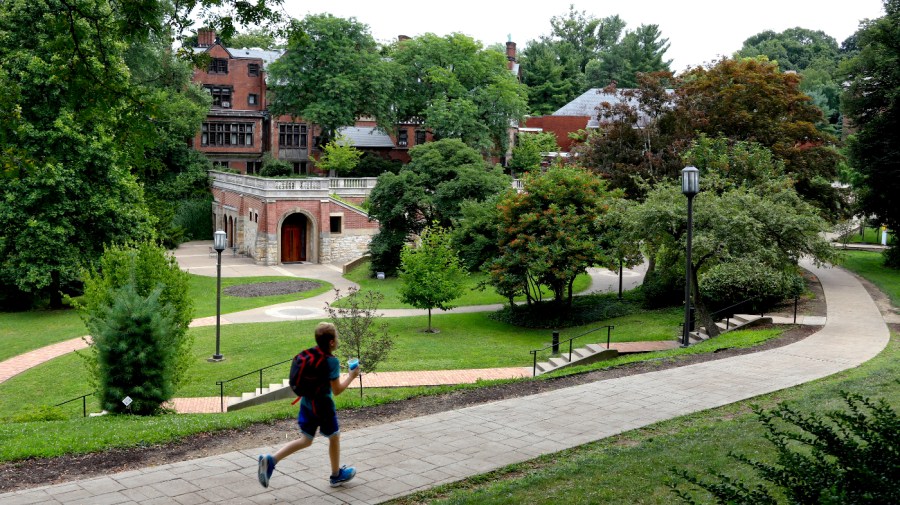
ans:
(293, 239)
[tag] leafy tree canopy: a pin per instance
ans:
(872, 102)
(339, 156)
(430, 189)
(752, 100)
(458, 88)
(549, 233)
(527, 154)
(431, 275)
(331, 74)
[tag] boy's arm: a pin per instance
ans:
(338, 387)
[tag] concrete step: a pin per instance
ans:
(543, 366)
(559, 361)
(580, 356)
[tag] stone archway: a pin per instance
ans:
(295, 235)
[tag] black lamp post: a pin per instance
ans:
(220, 241)
(690, 186)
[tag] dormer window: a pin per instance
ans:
(402, 138)
(218, 66)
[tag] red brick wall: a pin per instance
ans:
(561, 126)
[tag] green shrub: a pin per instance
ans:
(147, 267)
(730, 283)
(372, 165)
(273, 167)
(385, 250)
(42, 413)
(849, 457)
(663, 288)
(585, 309)
(194, 217)
(892, 256)
(134, 343)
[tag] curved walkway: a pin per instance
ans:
(394, 459)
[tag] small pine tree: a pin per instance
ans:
(431, 274)
(135, 353)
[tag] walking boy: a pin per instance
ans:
(318, 413)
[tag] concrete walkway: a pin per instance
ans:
(397, 458)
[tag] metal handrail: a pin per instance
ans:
(83, 399)
(555, 346)
(221, 383)
(727, 310)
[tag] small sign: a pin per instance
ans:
(127, 401)
(379, 276)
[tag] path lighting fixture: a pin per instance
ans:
(690, 186)
(220, 242)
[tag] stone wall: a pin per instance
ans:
(344, 247)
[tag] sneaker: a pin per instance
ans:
(344, 475)
(265, 469)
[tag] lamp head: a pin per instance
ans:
(219, 241)
(690, 181)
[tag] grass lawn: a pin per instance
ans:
(477, 342)
(203, 292)
(871, 266)
(637, 466)
(872, 236)
(390, 288)
(21, 332)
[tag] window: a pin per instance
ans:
(221, 96)
(220, 164)
(301, 168)
(292, 135)
(335, 222)
(420, 137)
(402, 138)
(253, 69)
(226, 134)
(218, 66)
(253, 167)
(253, 99)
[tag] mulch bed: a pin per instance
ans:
(270, 288)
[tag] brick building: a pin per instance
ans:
(284, 220)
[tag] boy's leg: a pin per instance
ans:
(334, 453)
(291, 447)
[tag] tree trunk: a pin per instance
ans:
(703, 314)
(55, 294)
(429, 320)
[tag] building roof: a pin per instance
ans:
(588, 103)
(366, 136)
(268, 56)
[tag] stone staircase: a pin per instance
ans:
(730, 324)
(259, 396)
(582, 356)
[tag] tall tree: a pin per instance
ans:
(459, 89)
(552, 78)
(430, 189)
(331, 74)
(637, 142)
(640, 51)
(872, 102)
(71, 190)
(752, 100)
(549, 233)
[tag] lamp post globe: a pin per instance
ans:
(690, 186)
(220, 242)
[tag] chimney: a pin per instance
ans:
(206, 37)
(511, 53)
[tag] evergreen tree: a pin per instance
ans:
(135, 351)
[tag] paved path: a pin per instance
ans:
(397, 458)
